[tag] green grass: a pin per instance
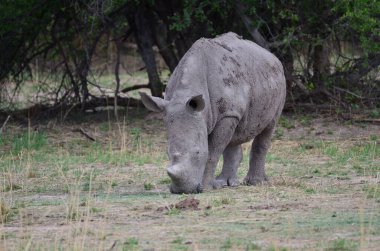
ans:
(286, 122)
(130, 244)
(252, 246)
(24, 141)
(217, 202)
(373, 192)
(342, 245)
(148, 186)
(227, 245)
(173, 212)
(7, 214)
(178, 240)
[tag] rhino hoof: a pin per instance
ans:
(233, 182)
(254, 181)
(216, 184)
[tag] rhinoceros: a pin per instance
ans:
(224, 92)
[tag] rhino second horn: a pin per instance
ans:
(174, 171)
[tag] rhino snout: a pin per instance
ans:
(182, 180)
(177, 190)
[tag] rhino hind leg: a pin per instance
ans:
(232, 156)
(256, 173)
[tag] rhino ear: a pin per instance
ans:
(196, 103)
(153, 104)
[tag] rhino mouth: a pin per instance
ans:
(177, 190)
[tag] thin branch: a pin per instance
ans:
(347, 91)
(4, 124)
(117, 77)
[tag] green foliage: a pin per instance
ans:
(215, 15)
(25, 15)
(361, 18)
(21, 23)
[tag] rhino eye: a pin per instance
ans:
(196, 103)
(193, 104)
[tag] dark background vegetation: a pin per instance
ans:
(330, 49)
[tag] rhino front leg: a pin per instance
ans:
(261, 143)
(232, 156)
(217, 142)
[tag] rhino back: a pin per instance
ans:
(246, 82)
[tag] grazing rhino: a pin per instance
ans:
(224, 92)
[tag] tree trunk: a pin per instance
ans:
(166, 49)
(138, 20)
(253, 31)
(287, 61)
(321, 66)
(166, 9)
(180, 46)
(84, 67)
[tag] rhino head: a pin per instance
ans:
(187, 139)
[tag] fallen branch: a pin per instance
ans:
(43, 111)
(360, 119)
(109, 101)
(292, 106)
(374, 121)
(113, 245)
(135, 87)
(81, 131)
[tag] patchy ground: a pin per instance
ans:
(60, 190)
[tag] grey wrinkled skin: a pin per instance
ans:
(224, 92)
